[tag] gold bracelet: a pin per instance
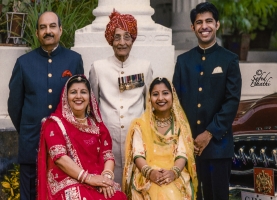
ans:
(210, 133)
(89, 176)
(109, 173)
(148, 173)
(177, 171)
(144, 170)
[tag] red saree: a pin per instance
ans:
(89, 146)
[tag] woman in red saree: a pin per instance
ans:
(75, 160)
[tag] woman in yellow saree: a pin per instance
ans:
(160, 163)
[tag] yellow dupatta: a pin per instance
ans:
(149, 134)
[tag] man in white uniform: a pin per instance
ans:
(120, 84)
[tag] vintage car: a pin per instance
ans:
(255, 140)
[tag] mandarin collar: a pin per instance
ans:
(208, 50)
(121, 64)
(52, 54)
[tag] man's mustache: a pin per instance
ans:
(48, 35)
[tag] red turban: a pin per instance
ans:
(125, 22)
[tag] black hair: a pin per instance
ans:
(78, 79)
(59, 20)
(159, 80)
(204, 7)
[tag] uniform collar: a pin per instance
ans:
(52, 54)
(207, 50)
(121, 64)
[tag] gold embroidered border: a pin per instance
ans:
(57, 150)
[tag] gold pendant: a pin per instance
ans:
(203, 58)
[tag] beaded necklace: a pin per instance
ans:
(163, 122)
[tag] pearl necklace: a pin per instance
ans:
(163, 122)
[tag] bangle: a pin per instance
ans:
(176, 171)
(109, 173)
(84, 176)
(88, 178)
(148, 173)
(80, 174)
(144, 170)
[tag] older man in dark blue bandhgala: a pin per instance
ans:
(35, 87)
(208, 83)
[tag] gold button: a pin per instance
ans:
(203, 58)
(200, 89)
(121, 107)
(50, 106)
(122, 126)
(201, 73)
(121, 116)
(50, 60)
(199, 105)
(198, 122)
(122, 72)
(50, 90)
(49, 75)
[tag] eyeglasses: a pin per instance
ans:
(125, 37)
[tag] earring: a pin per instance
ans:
(88, 110)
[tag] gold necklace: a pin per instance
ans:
(82, 121)
(163, 122)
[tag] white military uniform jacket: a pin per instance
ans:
(119, 108)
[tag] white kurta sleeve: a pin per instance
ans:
(94, 84)
(147, 79)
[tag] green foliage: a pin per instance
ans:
(10, 184)
(6, 6)
(73, 14)
(245, 16)
(15, 5)
(21, 5)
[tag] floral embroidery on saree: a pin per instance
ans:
(89, 142)
(72, 193)
(56, 186)
(57, 151)
(70, 149)
(108, 155)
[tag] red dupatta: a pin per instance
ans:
(64, 112)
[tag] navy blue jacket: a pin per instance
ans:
(35, 88)
(210, 100)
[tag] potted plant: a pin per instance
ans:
(241, 19)
(16, 19)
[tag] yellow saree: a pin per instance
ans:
(160, 152)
